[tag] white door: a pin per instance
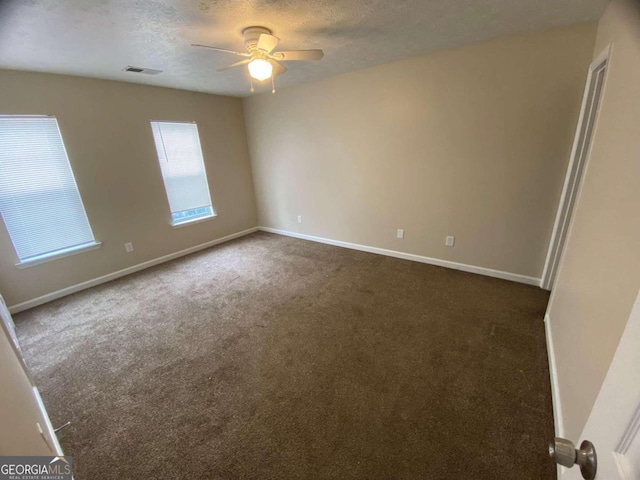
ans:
(26, 429)
(614, 424)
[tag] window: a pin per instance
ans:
(182, 166)
(39, 198)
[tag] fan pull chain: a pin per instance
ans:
(273, 84)
(251, 81)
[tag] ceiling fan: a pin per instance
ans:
(263, 63)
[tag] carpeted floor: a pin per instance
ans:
(275, 358)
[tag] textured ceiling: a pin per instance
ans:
(98, 38)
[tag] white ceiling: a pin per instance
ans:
(98, 38)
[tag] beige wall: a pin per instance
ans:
(105, 127)
(471, 142)
(599, 273)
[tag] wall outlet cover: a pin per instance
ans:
(400, 233)
(299, 218)
(450, 241)
(128, 247)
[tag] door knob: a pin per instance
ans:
(564, 453)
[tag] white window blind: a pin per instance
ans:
(182, 166)
(39, 199)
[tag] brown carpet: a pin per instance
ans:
(275, 358)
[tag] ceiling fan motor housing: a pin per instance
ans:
(252, 35)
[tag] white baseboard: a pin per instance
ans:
(410, 256)
(125, 271)
(553, 374)
(380, 251)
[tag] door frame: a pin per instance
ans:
(577, 167)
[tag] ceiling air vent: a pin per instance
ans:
(146, 71)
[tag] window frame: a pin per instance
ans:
(188, 221)
(60, 252)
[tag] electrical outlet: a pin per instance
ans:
(450, 241)
(400, 233)
(128, 247)
(299, 218)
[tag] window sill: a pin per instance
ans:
(67, 252)
(195, 220)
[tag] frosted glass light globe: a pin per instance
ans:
(260, 69)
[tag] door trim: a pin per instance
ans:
(576, 170)
(553, 377)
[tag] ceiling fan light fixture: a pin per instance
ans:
(261, 57)
(260, 69)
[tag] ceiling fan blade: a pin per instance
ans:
(241, 54)
(237, 64)
(267, 42)
(278, 68)
(298, 55)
